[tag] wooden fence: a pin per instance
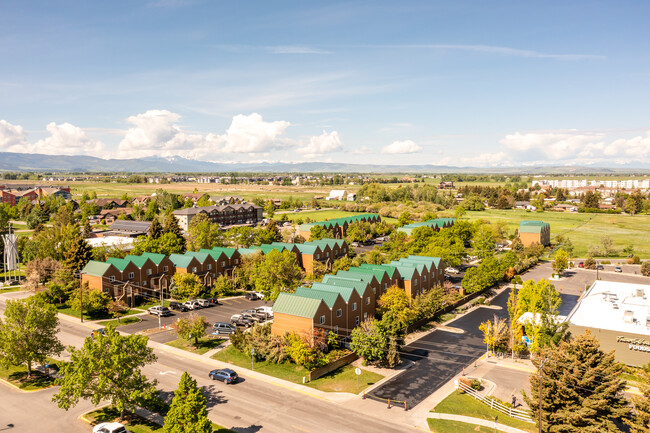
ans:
(322, 371)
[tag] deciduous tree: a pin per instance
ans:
(561, 261)
(28, 333)
(187, 413)
(370, 341)
(187, 285)
(192, 327)
(108, 367)
(395, 308)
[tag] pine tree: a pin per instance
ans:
(171, 226)
(187, 413)
(581, 388)
(87, 228)
(155, 231)
(640, 422)
(79, 254)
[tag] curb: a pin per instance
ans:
(83, 415)
(17, 388)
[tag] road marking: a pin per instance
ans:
(167, 372)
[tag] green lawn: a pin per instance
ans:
(205, 344)
(583, 229)
(17, 375)
(318, 215)
(463, 404)
(341, 380)
(10, 289)
(135, 423)
(122, 322)
(448, 426)
(64, 309)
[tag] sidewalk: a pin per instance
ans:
(478, 421)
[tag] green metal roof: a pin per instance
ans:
(181, 260)
(389, 269)
(378, 273)
(339, 221)
(120, 264)
(429, 260)
(199, 255)
(267, 248)
(528, 226)
(247, 251)
(307, 249)
(227, 251)
(328, 297)
(96, 268)
(299, 306)
(139, 261)
(406, 271)
(345, 292)
(154, 257)
(214, 253)
(359, 286)
(363, 276)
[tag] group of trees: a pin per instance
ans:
(405, 193)
(270, 273)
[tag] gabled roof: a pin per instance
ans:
(435, 261)
(120, 264)
(420, 266)
(528, 226)
(267, 248)
(286, 245)
(251, 250)
(199, 255)
(390, 270)
(361, 275)
(299, 306)
(378, 273)
(96, 268)
(181, 260)
(345, 292)
(359, 286)
(214, 253)
(328, 297)
(131, 226)
(154, 257)
(307, 249)
(406, 271)
(139, 261)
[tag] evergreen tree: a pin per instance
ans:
(187, 413)
(87, 228)
(171, 226)
(640, 422)
(156, 230)
(581, 389)
(79, 254)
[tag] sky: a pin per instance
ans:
(459, 83)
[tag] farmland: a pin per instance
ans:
(583, 229)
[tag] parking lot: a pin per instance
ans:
(218, 313)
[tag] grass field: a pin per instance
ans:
(463, 404)
(205, 344)
(583, 229)
(341, 380)
(17, 375)
(122, 322)
(325, 214)
(448, 426)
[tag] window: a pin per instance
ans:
(131, 275)
(365, 316)
(236, 261)
(368, 300)
(194, 269)
(223, 264)
(354, 306)
(322, 319)
(327, 254)
(385, 286)
(415, 282)
(166, 268)
(339, 312)
(374, 290)
(336, 329)
(209, 266)
(111, 278)
(357, 320)
(144, 283)
(148, 271)
(424, 278)
(317, 256)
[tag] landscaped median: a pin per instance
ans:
(17, 377)
(462, 404)
(204, 344)
(343, 379)
(133, 422)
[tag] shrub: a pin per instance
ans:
(590, 263)
(634, 260)
(645, 269)
(606, 262)
(480, 300)
(476, 384)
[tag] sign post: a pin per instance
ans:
(357, 371)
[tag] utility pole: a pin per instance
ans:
(81, 298)
(541, 377)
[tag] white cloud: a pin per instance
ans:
(325, 143)
(12, 137)
(401, 147)
(67, 139)
(364, 150)
(250, 134)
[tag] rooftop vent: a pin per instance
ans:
(628, 316)
(640, 293)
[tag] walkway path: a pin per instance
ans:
(477, 421)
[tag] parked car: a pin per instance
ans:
(600, 267)
(110, 427)
(581, 264)
(177, 306)
(157, 310)
(618, 269)
(252, 318)
(251, 296)
(451, 270)
(192, 305)
(265, 309)
(355, 244)
(239, 320)
(213, 301)
(227, 375)
(97, 332)
(223, 328)
(205, 303)
(447, 276)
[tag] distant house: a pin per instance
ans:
(293, 313)
(565, 208)
(109, 216)
(130, 229)
(337, 194)
(225, 215)
(108, 203)
(195, 197)
(142, 200)
(446, 185)
(534, 231)
(54, 192)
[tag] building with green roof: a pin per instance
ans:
(338, 226)
(303, 315)
(531, 232)
(436, 224)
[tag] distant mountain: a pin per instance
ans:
(60, 163)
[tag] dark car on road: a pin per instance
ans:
(600, 267)
(226, 375)
(252, 296)
(97, 332)
(239, 320)
(178, 306)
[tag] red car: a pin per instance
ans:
(581, 264)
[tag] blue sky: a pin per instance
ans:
(414, 82)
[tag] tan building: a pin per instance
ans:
(534, 231)
(292, 313)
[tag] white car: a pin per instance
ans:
(110, 427)
(451, 270)
(266, 310)
(192, 305)
(260, 295)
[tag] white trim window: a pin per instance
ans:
(354, 306)
(339, 312)
(322, 319)
(131, 275)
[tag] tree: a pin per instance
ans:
(192, 327)
(155, 230)
(87, 229)
(608, 246)
(108, 367)
(117, 309)
(223, 286)
(426, 304)
(392, 357)
(484, 241)
(319, 232)
(395, 308)
(645, 269)
(187, 413)
(93, 300)
(187, 285)
(590, 263)
(591, 200)
(640, 421)
(342, 264)
(561, 261)
(36, 218)
(495, 334)
(369, 341)
(634, 203)
(274, 272)
(581, 390)
(269, 208)
(28, 333)
(78, 255)
(203, 233)
(171, 226)
(404, 219)
(166, 244)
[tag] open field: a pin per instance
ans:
(584, 229)
(325, 214)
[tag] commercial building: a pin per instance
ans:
(224, 215)
(618, 314)
(534, 231)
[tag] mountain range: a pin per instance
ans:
(90, 164)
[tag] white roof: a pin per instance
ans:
(621, 307)
(112, 241)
